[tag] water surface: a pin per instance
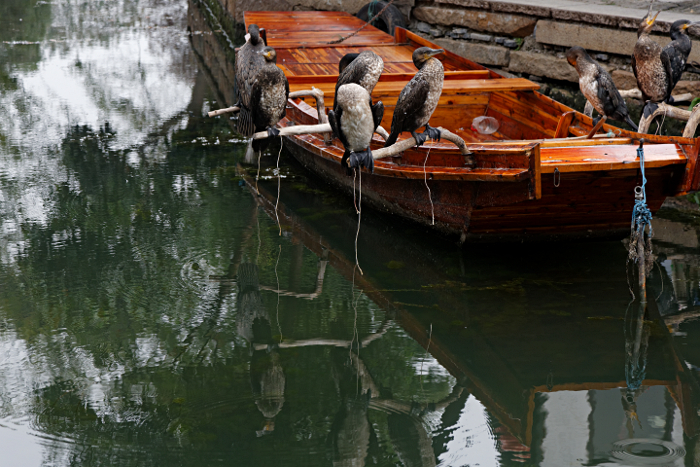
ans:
(156, 309)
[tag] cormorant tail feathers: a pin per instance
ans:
(631, 123)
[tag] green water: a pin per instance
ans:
(151, 313)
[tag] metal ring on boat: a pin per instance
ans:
(556, 182)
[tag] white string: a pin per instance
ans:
(279, 183)
(258, 175)
(278, 293)
(430, 196)
(359, 219)
(658, 128)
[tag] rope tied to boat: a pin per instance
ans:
(641, 218)
(369, 21)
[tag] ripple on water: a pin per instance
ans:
(647, 451)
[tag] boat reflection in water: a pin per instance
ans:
(574, 382)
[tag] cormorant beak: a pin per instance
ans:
(432, 53)
(650, 21)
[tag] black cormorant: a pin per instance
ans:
(598, 87)
(419, 98)
(365, 70)
(268, 97)
(678, 51)
(248, 61)
(354, 122)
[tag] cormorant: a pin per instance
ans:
(598, 87)
(345, 61)
(419, 98)
(365, 70)
(248, 61)
(268, 97)
(678, 51)
(354, 121)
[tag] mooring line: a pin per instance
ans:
(359, 219)
(279, 183)
(430, 196)
(278, 292)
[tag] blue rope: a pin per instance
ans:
(641, 215)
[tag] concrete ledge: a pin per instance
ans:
(542, 65)
(489, 55)
(497, 23)
(608, 40)
(565, 10)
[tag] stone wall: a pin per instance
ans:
(526, 37)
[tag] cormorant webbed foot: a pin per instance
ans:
(361, 159)
(272, 132)
(649, 109)
(433, 133)
(419, 137)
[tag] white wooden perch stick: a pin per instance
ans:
(408, 143)
(214, 113)
(693, 118)
(297, 130)
(637, 94)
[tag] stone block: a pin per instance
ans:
(423, 27)
(500, 40)
(479, 20)
(490, 55)
(593, 38)
(692, 87)
(542, 65)
(624, 79)
(481, 37)
(602, 57)
(436, 33)
(510, 43)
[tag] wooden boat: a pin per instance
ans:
(538, 176)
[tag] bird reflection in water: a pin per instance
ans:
(267, 378)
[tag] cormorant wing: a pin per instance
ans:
(248, 62)
(666, 61)
(677, 60)
(610, 96)
(410, 103)
(334, 120)
(286, 95)
(377, 113)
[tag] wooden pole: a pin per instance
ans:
(318, 95)
(408, 143)
(693, 118)
(215, 113)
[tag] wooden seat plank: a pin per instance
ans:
(618, 157)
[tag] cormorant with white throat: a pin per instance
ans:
(354, 121)
(268, 98)
(419, 98)
(598, 87)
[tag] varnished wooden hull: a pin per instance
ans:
(584, 205)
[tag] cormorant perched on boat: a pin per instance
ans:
(365, 70)
(354, 122)
(248, 61)
(268, 97)
(419, 98)
(598, 87)
(678, 51)
(345, 61)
